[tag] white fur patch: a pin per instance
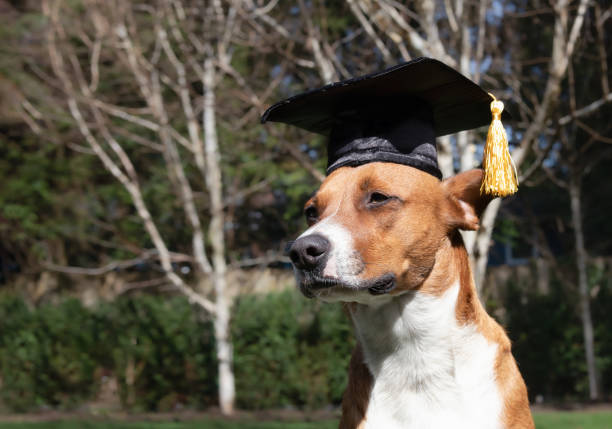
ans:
(343, 262)
(429, 372)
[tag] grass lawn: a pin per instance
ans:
(573, 420)
(544, 420)
(196, 424)
(201, 424)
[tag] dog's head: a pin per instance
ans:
(376, 229)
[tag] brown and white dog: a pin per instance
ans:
(384, 238)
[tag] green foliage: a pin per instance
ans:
(196, 424)
(289, 351)
(506, 231)
(26, 189)
(54, 355)
(47, 356)
(547, 343)
(546, 332)
(543, 420)
(601, 289)
(161, 354)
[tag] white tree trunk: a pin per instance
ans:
(227, 390)
(583, 286)
(445, 156)
(482, 243)
(467, 161)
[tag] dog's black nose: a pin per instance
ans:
(308, 252)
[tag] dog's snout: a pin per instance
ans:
(308, 252)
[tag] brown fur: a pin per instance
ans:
(415, 236)
(357, 393)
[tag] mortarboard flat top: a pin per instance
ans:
(391, 116)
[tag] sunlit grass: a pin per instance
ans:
(196, 424)
(573, 420)
(544, 420)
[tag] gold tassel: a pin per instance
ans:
(499, 171)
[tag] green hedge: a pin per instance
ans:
(47, 355)
(289, 351)
(546, 332)
(57, 354)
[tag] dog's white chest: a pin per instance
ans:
(428, 371)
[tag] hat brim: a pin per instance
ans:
(457, 102)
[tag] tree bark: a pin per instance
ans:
(445, 156)
(583, 286)
(482, 243)
(227, 390)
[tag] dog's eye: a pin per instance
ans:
(377, 198)
(311, 214)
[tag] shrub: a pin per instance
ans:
(289, 351)
(546, 331)
(162, 354)
(48, 356)
(547, 343)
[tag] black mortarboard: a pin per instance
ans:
(391, 116)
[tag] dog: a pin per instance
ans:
(384, 239)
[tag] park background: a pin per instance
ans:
(144, 210)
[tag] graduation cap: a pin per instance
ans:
(395, 116)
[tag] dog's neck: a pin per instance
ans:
(424, 349)
(448, 293)
(422, 320)
(413, 331)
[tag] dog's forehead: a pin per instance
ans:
(391, 178)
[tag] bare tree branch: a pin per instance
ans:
(586, 110)
(358, 8)
(127, 180)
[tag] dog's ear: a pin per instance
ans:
(465, 202)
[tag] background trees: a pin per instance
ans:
(130, 136)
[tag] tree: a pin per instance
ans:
(157, 68)
(572, 147)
